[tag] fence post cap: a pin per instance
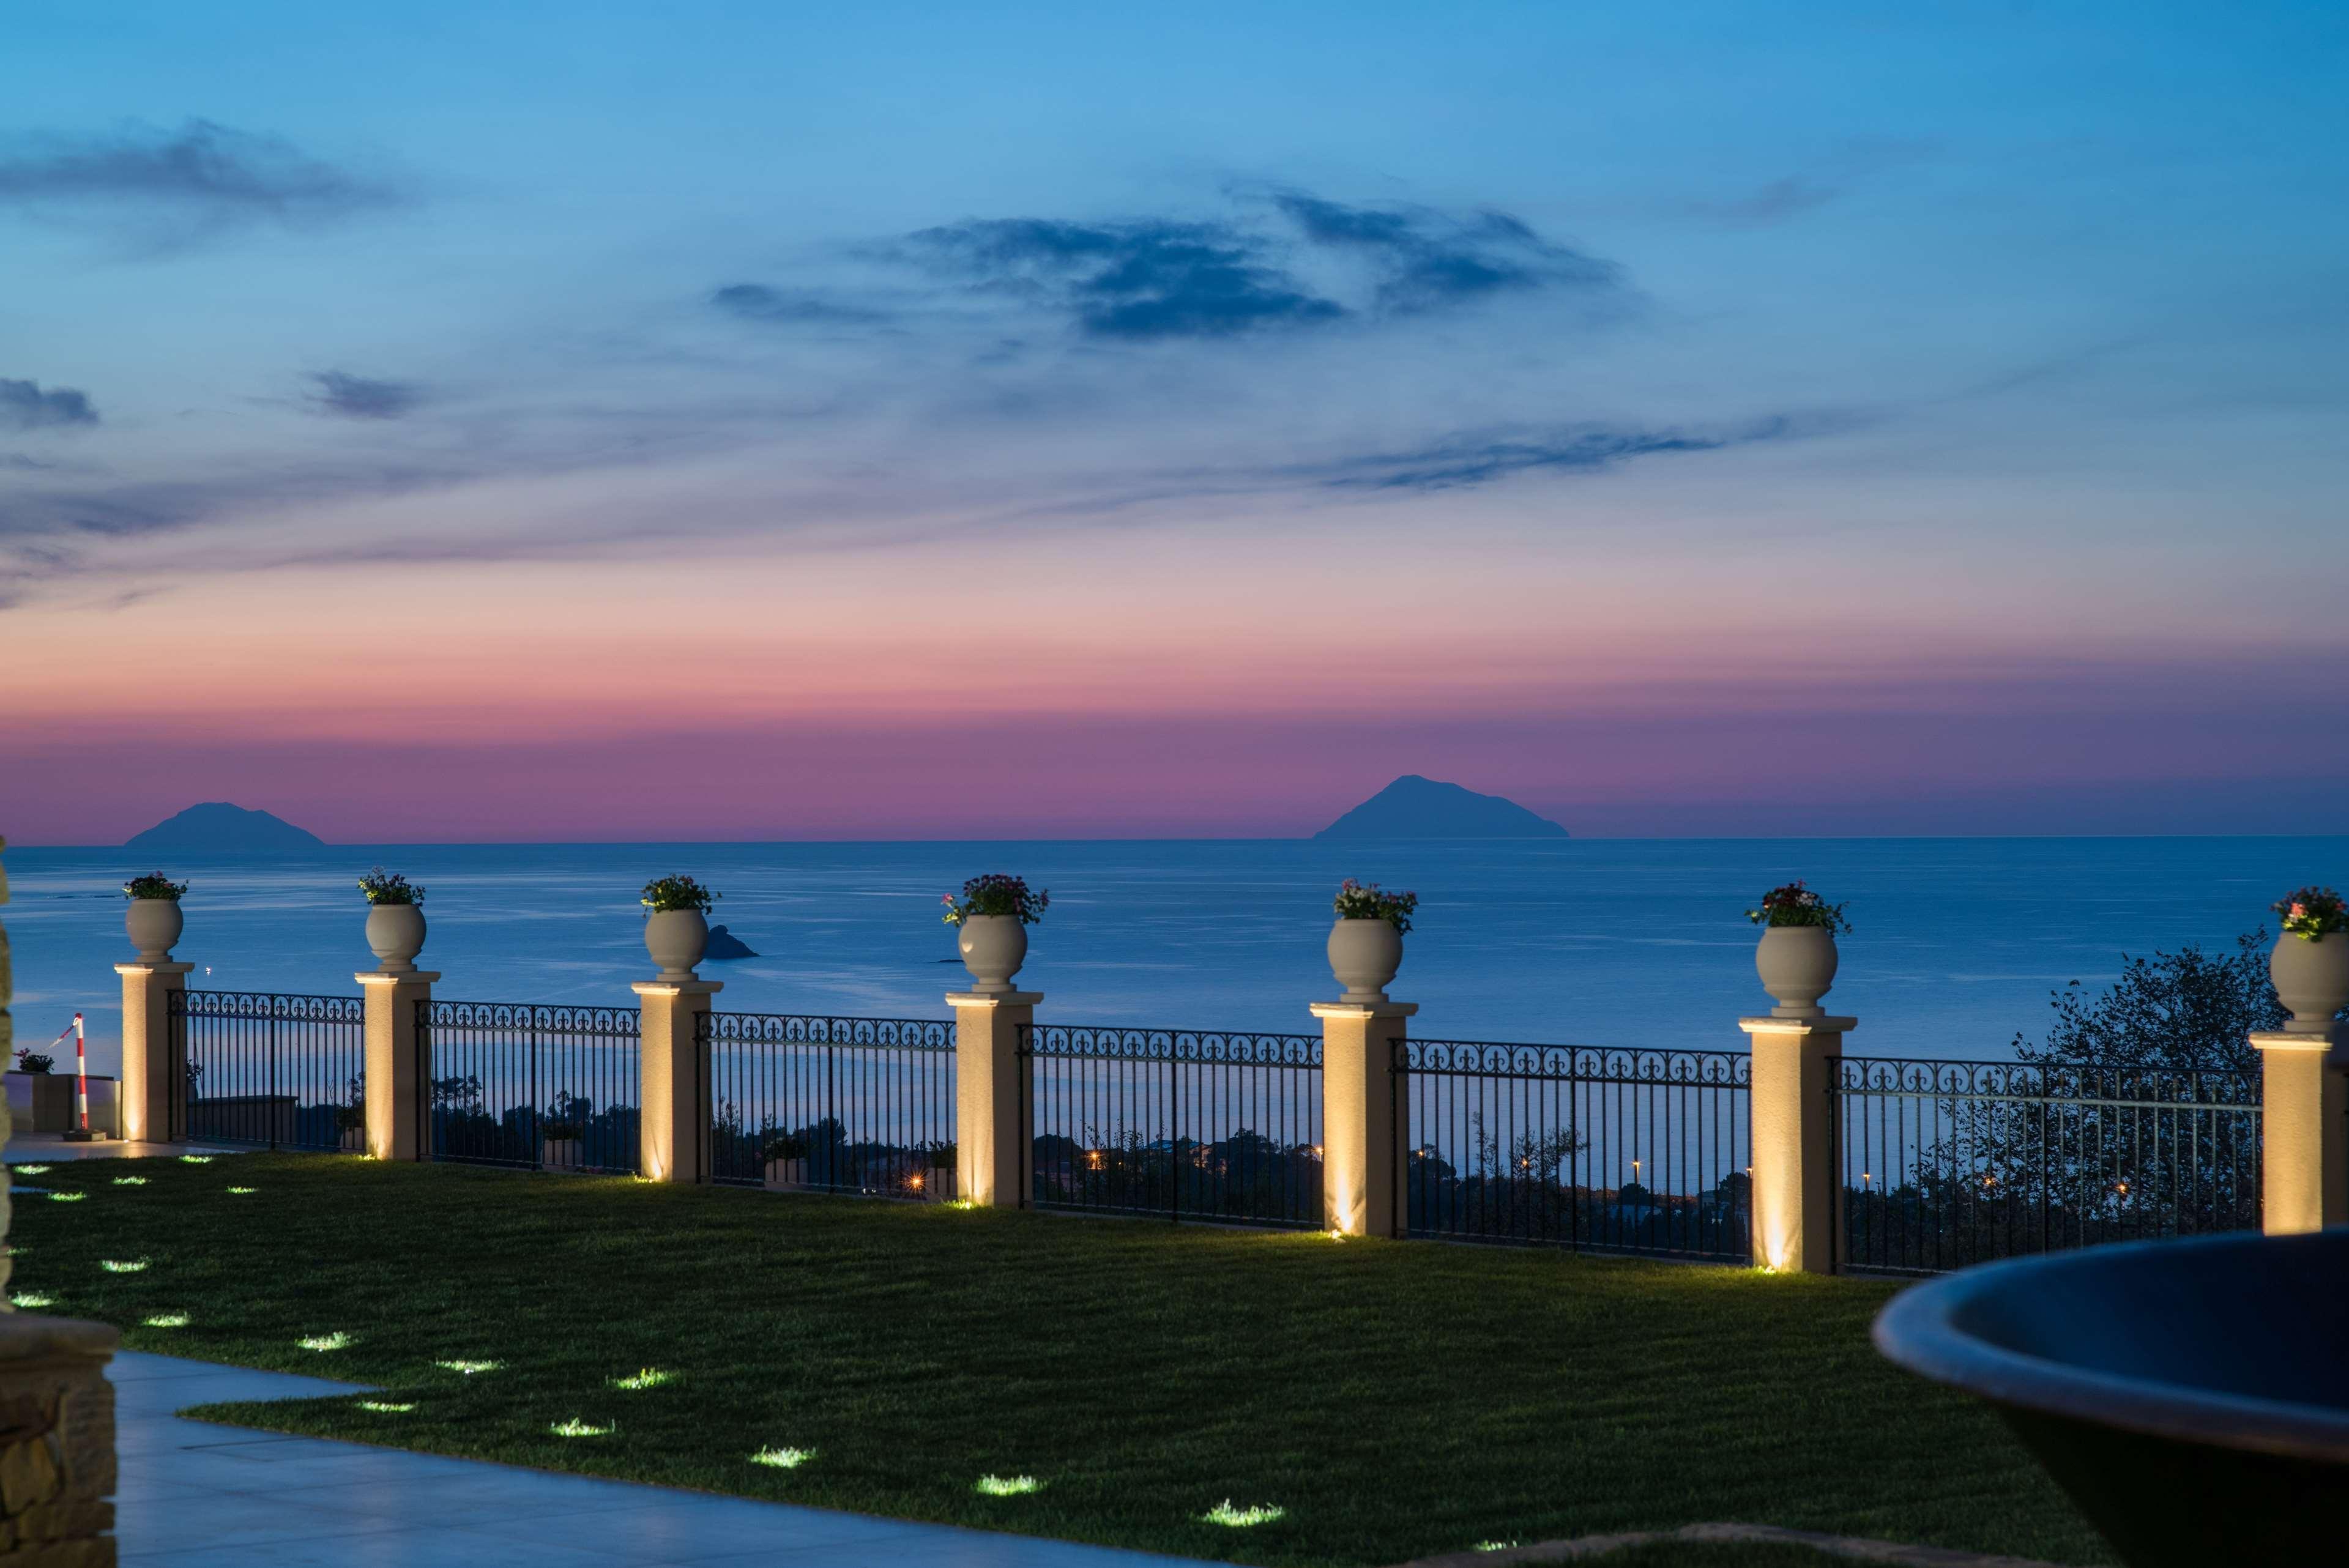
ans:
(140, 966)
(993, 998)
(1362, 1009)
(406, 978)
(2299, 1039)
(677, 987)
(1826, 1023)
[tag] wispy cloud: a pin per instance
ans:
(350, 397)
(1773, 202)
(165, 188)
(1427, 260)
(756, 302)
(26, 405)
(1480, 457)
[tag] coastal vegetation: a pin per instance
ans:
(1390, 1401)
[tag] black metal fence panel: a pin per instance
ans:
(1187, 1124)
(1942, 1164)
(832, 1104)
(1578, 1146)
(271, 1070)
(541, 1087)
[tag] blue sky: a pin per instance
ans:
(1977, 363)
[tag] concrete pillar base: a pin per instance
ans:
(154, 1065)
(673, 1111)
(994, 1097)
(1364, 1133)
(397, 1070)
(1796, 1218)
(2303, 1129)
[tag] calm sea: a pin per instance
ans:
(1957, 943)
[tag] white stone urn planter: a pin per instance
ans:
(559, 1153)
(677, 938)
(993, 947)
(154, 925)
(395, 934)
(786, 1175)
(1797, 966)
(1364, 954)
(2312, 979)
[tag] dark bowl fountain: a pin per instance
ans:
(2192, 1396)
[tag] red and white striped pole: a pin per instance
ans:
(79, 1132)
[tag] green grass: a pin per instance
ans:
(1392, 1400)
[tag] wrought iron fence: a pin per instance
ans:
(1189, 1124)
(1942, 1164)
(1604, 1151)
(831, 1105)
(263, 1067)
(542, 1088)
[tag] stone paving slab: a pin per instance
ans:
(198, 1495)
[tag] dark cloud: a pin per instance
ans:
(756, 302)
(1137, 281)
(1475, 458)
(23, 406)
(168, 186)
(357, 397)
(1427, 260)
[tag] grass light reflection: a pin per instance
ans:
(130, 1180)
(334, 1341)
(468, 1368)
(67, 1197)
(385, 1406)
(650, 1377)
(121, 1266)
(782, 1459)
(575, 1427)
(1006, 1485)
(30, 1301)
(1242, 1517)
(167, 1320)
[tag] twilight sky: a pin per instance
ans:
(607, 421)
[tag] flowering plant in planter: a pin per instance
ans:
(1794, 904)
(389, 887)
(2310, 912)
(154, 885)
(664, 893)
(1368, 901)
(996, 894)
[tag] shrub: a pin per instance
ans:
(1368, 901)
(389, 887)
(34, 1061)
(664, 893)
(996, 894)
(1794, 904)
(794, 1147)
(154, 885)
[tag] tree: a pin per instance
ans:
(2183, 1011)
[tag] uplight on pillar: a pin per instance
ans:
(1795, 1046)
(1363, 1154)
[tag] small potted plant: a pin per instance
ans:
(787, 1163)
(350, 1122)
(558, 1143)
(2310, 966)
(991, 919)
(677, 924)
(40, 1101)
(1366, 943)
(1796, 957)
(153, 919)
(395, 922)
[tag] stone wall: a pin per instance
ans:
(57, 1443)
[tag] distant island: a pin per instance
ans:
(217, 828)
(1416, 808)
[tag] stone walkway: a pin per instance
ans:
(195, 1495)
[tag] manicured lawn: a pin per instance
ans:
(1396, 1399)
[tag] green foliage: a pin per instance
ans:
(154, 885)
(1794, 904)
(2187, 1010)
(662, 893)
(1141, 1372)
(389, 887)
(997, 893)
(2310, 912)
(1368, 901)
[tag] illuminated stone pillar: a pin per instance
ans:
(673, 1109)
(1793, 1196)
(2303, 1130)
(397, 1068)
(1363, 1135)
(154, 1052)
(994, 1097)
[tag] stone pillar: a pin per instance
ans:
(56, 1442)
(1363, 1131)
(398, 1064)
(154, 1054)
(1796, 1221)
(2303, 1129)
(673, 1111)
(995, 1109)
(7, 1055)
